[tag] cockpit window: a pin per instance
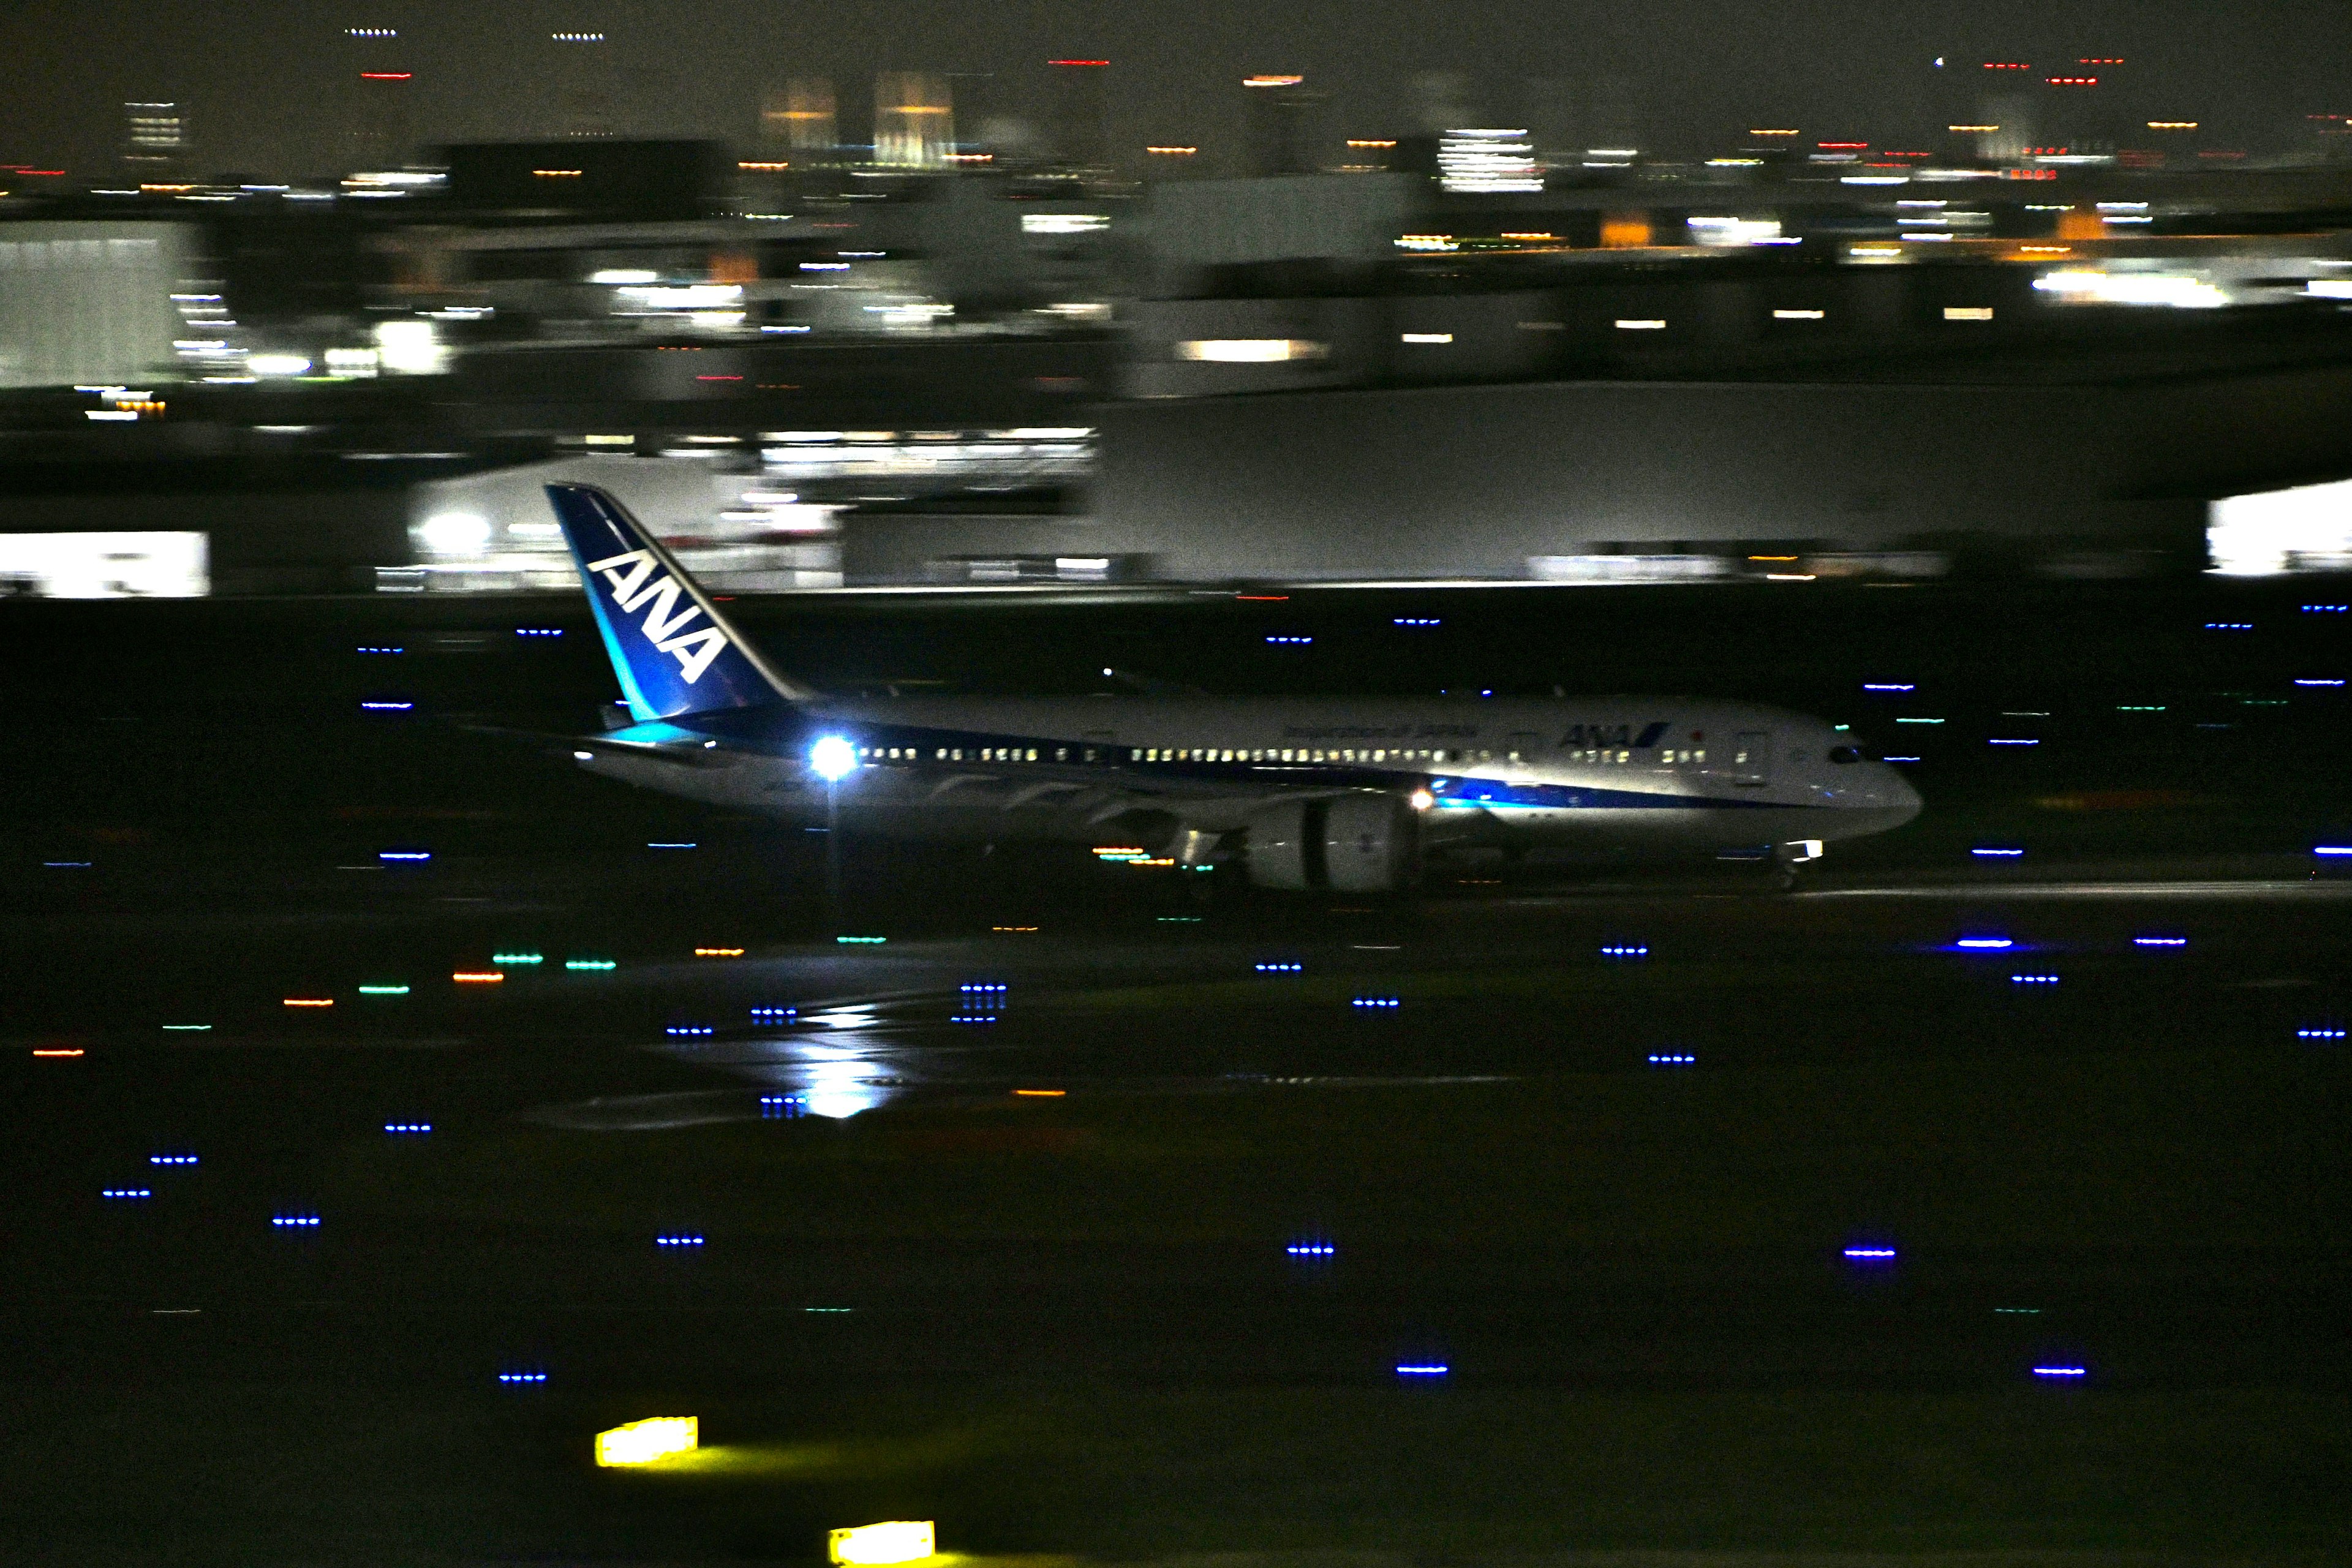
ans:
(1843, 754)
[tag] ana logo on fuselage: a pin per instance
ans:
(628, 576)
(1614, 734)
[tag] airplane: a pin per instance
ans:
(1348, 794)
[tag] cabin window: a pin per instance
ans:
(1061, 753)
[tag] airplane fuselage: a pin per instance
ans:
(1663, 770)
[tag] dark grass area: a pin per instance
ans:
(1070, 1324)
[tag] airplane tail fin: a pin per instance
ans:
(674, 652)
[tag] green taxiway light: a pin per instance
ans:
(383, 990)
(863, 939)
(196, 1026)
(587, 963)
(517, 958)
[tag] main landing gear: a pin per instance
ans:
(1787, 858)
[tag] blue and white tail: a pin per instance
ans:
(673, 651)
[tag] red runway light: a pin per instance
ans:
(385, 76)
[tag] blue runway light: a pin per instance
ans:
(1376, 1002)
(407, 1129)
(1625, 950)
(1672, 1059)
(2159, 941)
(1291, 642)
(973, 1018)
(67, 865)
(1312, 1249)
(983, 988)
(2229, 626)
(774, 1014)
(1990, 853)
(2062, 1371)
(1422, 1369)
(128, 1194)
(387, 707)
(1280, 968)
(672, 845)
(2331, 849)
(2034, 980)
(520, 1377)
(2325, 609)
(2301, 681)
(294, 1221)
(404, 854)
(784, 1105)
(1885, 759)
(1871, 1254)
(2012, 743)
(679, 1031)
(539, 631)
(1415, 621)
(2319, 1032)
(179, 1159)
(377, 651)
(1985, 944)
(678, 1241)
(1887, 686)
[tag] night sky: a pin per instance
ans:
(266, 82)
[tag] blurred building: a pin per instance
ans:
(800, 124)
(154, 140)
(379, 132)
(1078, 133)
(91, 304)
(581, 74)
(2004, 127)
(604, 180)
(914, 120)
(374, 130)
(1283, 126)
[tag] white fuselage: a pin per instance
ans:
(1587, 772)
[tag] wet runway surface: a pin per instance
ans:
(1933, 1205)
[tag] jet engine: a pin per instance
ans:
(1361, 843)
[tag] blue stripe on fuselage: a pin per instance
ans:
(788, 732)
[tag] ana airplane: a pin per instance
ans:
(1342, 793)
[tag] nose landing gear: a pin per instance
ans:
(1787, 858)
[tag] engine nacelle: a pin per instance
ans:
(1362, 843)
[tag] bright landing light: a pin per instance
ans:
(833, 759)
(898, 1541)
(643, 1442)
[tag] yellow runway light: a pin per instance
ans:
(1042, 1093)
(717, 952)
(898, 1541)
(477, 977)
(643, 1442)
(309, 1001)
